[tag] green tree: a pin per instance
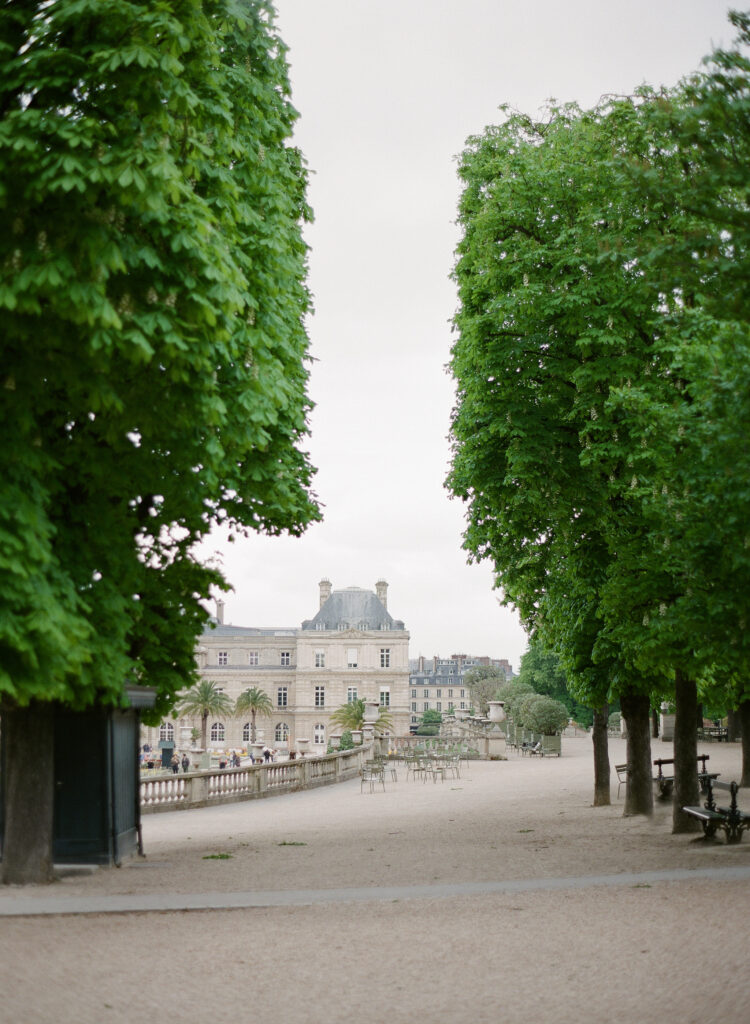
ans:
(430, 722)
(257, 702)
(511, 693)
(352, 716)
(153, 349)
(542, 669)
(542, 714)
(601, 354)
(483, 682)
(205, 700)
(537, 343)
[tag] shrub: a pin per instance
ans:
(544, 714)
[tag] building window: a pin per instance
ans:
(450, 705)
(320, 696)
(282, 695)
(425, 693)
(385, 697)
(414, 693)
(463, 693)
(463, 705)
(253, 658)
(319, 734)
(450, 693)
(352, 657)
(439, 693)
(286, 658)
(217, 733)
(385, 657)
(246, 732)
(439, 706)
(223, 657)
(351, 694)
(320, 659)
(426, 706)
(414, 705)
(320, 626)
(166, 731)
(281, 734)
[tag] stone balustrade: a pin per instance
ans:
(172, 792)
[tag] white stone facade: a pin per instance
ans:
(351, 648)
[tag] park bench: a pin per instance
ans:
(666, 782)
(731, 819)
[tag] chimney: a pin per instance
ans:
(220, 611)
(325, 590)
(381, 592)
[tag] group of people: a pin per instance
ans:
(147, 759)
(176, 762)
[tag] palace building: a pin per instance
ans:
(352, 648)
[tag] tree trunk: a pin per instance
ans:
(252, 725)
(204, 730)
(685, 752)
(654, 723)
(743, 713)
(28, 773)
(639, 794)
(601, 757)
(734, 726)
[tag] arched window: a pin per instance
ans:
(319, 734)
(217, 732)
(246, 732)
(282, 732)
(166, 731)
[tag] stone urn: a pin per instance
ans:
(357, 737)
(372, 711)
(335, 740)
(303, 747)
(256, 749)
(496, 710)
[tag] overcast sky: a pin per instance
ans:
(388, 91)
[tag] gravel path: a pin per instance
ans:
(499, 896)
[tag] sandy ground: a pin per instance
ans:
(500, 896)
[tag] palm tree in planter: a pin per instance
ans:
(205, 699)
(352, 716)
(257, 702)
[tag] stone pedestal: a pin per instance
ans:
(496, 746)
(666, 726)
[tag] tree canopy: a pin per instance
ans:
(600, 367)
(154, 350)
(601, 420)
(352, 716)
(483, 681)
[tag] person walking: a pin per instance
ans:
(175, 763)
(185, 762)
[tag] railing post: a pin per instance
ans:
(197, 790)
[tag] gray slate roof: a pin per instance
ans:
(353, 608)
(219, 629)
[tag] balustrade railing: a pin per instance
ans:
(172, 792)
